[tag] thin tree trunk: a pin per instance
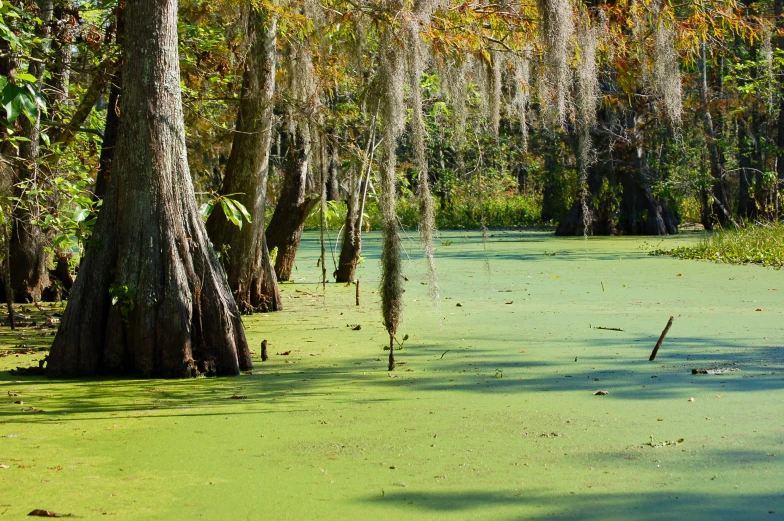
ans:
(748, 149)
(549, 190)
(56, 87)
(351, 248)
(294, 205)
(109, 142)
(103, 73)
(333, 169)
(248, 265)
(705, 202)
(151, 298)
(8, 292)
(779, 12)
(745, 170)
(715, 155)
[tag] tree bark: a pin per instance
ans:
(333, 169)
(294, 205)
(248, 265)
(351, 247)
(151, 298)
(29, 261)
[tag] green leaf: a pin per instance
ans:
(231, 213)
(12, 103)
(206, 209)
(59, 240)
(37, 97)
(242, 209)
(25, 76)
(80, 214)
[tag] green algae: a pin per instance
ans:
(491, 413)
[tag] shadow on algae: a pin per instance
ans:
(492, 413)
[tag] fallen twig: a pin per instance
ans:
(661, 339)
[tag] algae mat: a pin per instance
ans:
(490, 415)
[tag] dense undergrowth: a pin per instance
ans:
(512, 211)
(761, 243)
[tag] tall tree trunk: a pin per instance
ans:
(721, 206)
(550, 193)
(601, 201)
(294, 205)
(28, 263)
(151, 298)
(248, 265)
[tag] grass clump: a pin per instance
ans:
(761, 243)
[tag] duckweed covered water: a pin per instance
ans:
(490, 415)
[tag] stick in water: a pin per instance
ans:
(661, 339)
(264, 355)
(357, 296)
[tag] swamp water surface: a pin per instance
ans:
(491, 413)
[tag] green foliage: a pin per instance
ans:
(20, 97)
(234, 210)
(755, 244)
(74, 225)
(464, 213)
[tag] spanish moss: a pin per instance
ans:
(556, 30)
(393, 113)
